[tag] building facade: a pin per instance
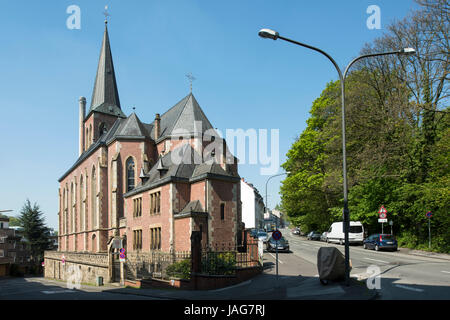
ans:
(13, 250)
(252, 206)
(148, 185)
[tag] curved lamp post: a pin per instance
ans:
(267, 207)
(270, 34)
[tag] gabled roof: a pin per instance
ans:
(131, 126)
(105, 97)
(182, 118)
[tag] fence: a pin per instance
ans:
(225, 260)
(152, 264)
(221, 259)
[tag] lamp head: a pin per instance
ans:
(267, 33)
(407, 51)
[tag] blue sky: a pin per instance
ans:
(243, 81)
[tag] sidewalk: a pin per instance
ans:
(267, 286)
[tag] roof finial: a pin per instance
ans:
(191, 78)
(106, 14)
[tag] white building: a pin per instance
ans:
(252, 206)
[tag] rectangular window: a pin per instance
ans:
(155, 240)
(137, 207)
(155, 203)
(222, 211)
(137, 239)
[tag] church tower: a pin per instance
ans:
(105, 103)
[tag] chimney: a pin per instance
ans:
(157, 126)
(82, 105)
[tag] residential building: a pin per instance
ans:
(252, 206)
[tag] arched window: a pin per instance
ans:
(129, 165)
(94, 199)
(91, 138)
(102, 129)
(94, 243)
(86, 139)
(82, 227)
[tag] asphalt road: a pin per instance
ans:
(402, 276)
(44, 289)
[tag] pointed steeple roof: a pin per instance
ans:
(105, 97)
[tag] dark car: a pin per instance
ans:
(313, 235)
(282, 244)
(380, 241)
(253, 233)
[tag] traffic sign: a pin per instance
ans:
(429, 215)
(276, 235)
(382, 220)
(122, 250)
(382, 212)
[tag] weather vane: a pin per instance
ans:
(106, 14)
(191, 78)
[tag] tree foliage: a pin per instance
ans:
(398, 138)
(35, 232)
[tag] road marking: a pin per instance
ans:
(409, 288)
(276, 258)
(58, 291)
(445, 271)
(376, 260)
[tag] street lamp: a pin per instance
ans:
(271, 34)
(276, 228)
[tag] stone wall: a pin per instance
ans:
(88, 265)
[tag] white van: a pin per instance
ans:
(355, 233)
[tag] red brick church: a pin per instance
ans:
(129, 183)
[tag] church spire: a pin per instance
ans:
(105, 97)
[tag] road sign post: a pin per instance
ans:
(382, 217)
(276, 235)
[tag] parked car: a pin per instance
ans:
(254, 233)
(355, 233)
(323, 237)
(380, 241)
(313, 235)
(262, 235)
(296, 231)
(283, 244)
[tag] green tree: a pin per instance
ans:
(35, 232)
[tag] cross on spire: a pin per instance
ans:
(191, 78)
(106, 14)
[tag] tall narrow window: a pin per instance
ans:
(94, 199)
(222, 211)
(130, 174)
(82, 222)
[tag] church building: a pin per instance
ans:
(148, 183)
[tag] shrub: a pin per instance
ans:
(181, 269)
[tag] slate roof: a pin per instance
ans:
(105, 97)
(187, 167)
(182, 117)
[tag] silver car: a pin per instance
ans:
(262, 236)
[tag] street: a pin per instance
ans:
(402, 276)
(38, 288)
